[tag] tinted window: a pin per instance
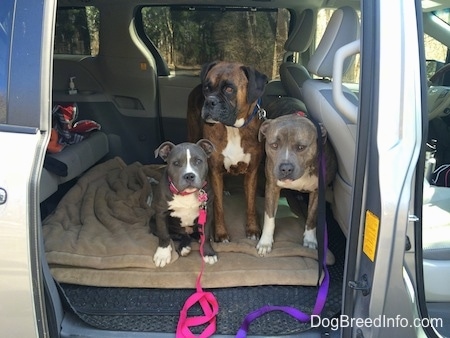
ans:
(190, 37)
(77, 31)
(6, 16)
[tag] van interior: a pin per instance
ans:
(124, 70)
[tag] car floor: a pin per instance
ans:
(157, 310)
(440, 311)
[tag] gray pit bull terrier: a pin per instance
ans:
(292, 163)
(179, 197)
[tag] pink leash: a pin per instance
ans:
(206, 300)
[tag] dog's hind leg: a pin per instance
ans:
(220, 230)
(184, 248)
(252, 229)
(194, 120)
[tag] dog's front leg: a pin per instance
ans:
(221, 234)
(252, 228)
(309, 237)
(272, 196)
(163, 254)
(209, 255)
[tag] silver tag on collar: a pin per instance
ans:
(262, 114)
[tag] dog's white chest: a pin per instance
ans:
(186, 208)
(304, 183)
(233, 152)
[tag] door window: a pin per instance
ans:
(76, 31)
(6, 19)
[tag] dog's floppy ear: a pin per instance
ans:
(164, 150)
(324, 133)
(205, 69)
(263, 130)
(207, 146)
(256, 83)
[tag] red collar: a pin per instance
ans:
(173, 189)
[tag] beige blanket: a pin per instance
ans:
(99, 235)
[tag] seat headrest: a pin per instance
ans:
(301, 36)
(342, 29)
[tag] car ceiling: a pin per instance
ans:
(428, 5)
(300, 4)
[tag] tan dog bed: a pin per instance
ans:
(99, 235)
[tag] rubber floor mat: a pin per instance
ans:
(157, 310)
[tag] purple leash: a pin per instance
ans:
(293, 312)
(322, 253)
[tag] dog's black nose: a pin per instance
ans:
(211, 101)
(286, 169)
(190, 177)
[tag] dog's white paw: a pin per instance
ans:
(210, 259)
(253, 237)
(264, 246)
(185, 251)
(162, 256)
(310, 239)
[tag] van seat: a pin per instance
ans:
(436, 242)
(73, 160)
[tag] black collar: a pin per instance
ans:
(256, 111)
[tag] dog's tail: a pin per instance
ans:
(194, 114)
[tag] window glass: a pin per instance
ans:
(6, 18)
(434, 50)
(444, 15)
(323, 17)
(77, 30)
(435, 54)
(189, 37)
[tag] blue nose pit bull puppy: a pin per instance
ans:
(292, 163)
(179, 197)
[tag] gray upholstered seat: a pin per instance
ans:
(342, 30)
(436, 242)
(74, 160)
(293, 74)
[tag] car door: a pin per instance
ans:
(25, 66)
(379, 300)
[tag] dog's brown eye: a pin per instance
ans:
(301, 148)
(274, 145)
(198, 161)
(228, 90)
(177, 163)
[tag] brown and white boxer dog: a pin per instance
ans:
(292, 163)
(224, 109)
(178, 198)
